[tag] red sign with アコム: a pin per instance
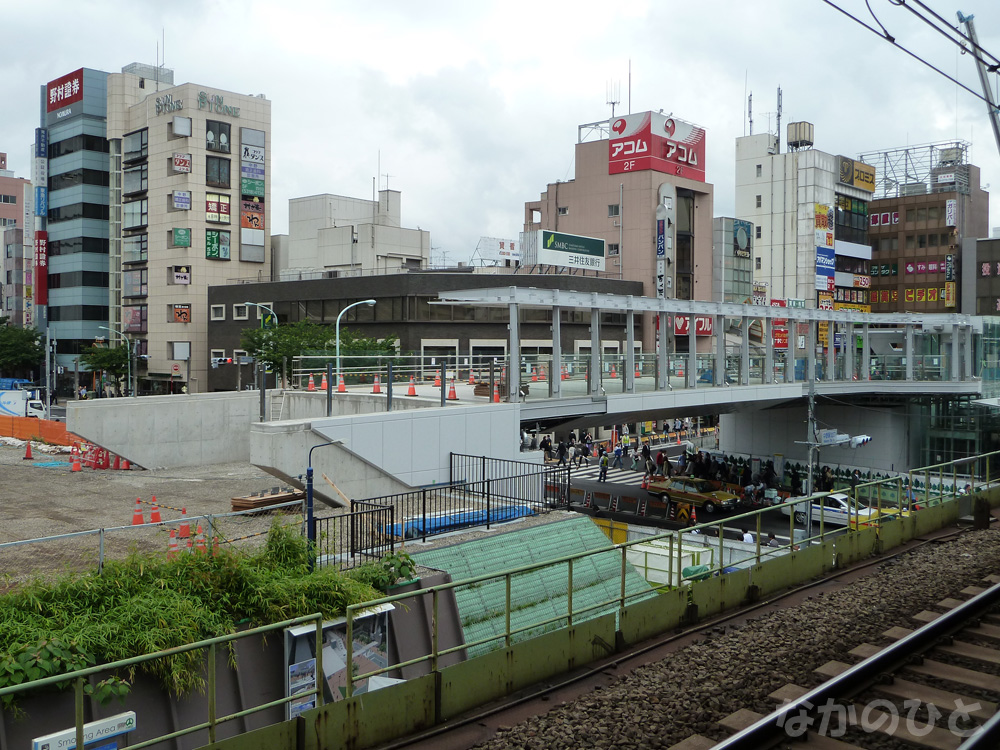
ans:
(64, 91)
(649, 140)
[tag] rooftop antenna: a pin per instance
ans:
(750, 111)
(612, 92)
(777, 144)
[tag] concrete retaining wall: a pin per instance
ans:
(169, 431)
(310, 405)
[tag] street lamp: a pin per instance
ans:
(128, 349)
(368, 302)
(258, 304)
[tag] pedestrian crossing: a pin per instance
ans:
(615, 476)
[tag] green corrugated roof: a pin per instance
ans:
(539, 595)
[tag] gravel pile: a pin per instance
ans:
(661, 704)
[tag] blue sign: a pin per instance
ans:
(252, 170)
(825, 262)
(41, 143)
(41, 201)
(661, 243)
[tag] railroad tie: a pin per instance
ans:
(694, 742)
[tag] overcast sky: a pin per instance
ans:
(474, 106)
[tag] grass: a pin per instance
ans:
(145, 604)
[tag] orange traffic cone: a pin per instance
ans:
(678, 437)
(496, 393)
(190, 546)
(614, 372)
(694, 516)
(75, 450)
(638, 372)
(565, 373)
(137, 519)
(154, 514)
(27, 452)
(117, 465)
(412, 390)
(543, 375)
(172, 545)
(437, 379)
(76, 463)
(472, 380)
(452, 396)
(215, 546)
(312, 383)
(199, 544)
(341, 385)
(126, 466)
(184, 532)
(534, 375)
(105, 461)
(323, 384)
(377, 385)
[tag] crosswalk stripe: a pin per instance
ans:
(615, 476)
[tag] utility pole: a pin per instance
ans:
(811, 435)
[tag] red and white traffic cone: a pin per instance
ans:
(324, 383)
(184, 532)
(312, 383)
(341, 386)
(496, 393)
(172, 545)
(412, 390)
(377, 385)
(27, 451)
(137, 518)
(452, 396)
(437, 379)
(154, 514)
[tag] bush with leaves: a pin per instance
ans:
(145, 604)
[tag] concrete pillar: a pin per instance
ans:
(866, 356)
(908, 351)
(955, 340)
(745, 351)
(849, 351)
(555, 372)
(967, 353)
(514, 373)
(691, 371)
(629, 374)
(662, 371)
(768, 374)
(595, 351)
(719, 371)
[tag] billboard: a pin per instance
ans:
(703, 325)
(823, 218)
(498, 249)
(951, 212)
(570, 250)
(182, 162)
(652, 141)
(41, 290)
(742, 232)
(857, 174)
(825, 265)
(64, 91)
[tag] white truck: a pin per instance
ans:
(20, 404)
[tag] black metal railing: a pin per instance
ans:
(352, 539)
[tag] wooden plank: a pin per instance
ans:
(789, 692)
(740, 720)
(973, 590)
(926, 616)
(897, 633)
(992, 578)
(865, 650)
(970, 651)
(950, 603)
(831, 669)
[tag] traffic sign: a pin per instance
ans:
(175, 369)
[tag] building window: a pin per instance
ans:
(217, 172)
(218, 354)
(241, 312)
(218, 312)
(756, 263)
(238, 354)
(911, 214)
(911, 242)
(757, 232)
(935, 213)
(759, 170)
(613, 249)
(134, 248)
(135, 145)
(136, 180)
(261, 312)
(217, 208)
(563, 210)
(134, 283)
(614, 210)
(8, 199)
(134, 318)
(217, 136)
(136, 214)
(758, 201)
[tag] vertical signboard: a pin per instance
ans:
(41, 268)
(779, 327)
(825, 261)
(951, 212)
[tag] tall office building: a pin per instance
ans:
(189, 209)
(16, 213)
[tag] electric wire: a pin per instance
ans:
(957, 30)
(891, 40)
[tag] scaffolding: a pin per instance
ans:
(940, 167)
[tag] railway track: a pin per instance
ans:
(931, 687)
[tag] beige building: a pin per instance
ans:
(335, 235)
(189, 209)
(626, 169)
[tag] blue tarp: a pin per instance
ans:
(463, 519)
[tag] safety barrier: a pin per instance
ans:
(39, 430)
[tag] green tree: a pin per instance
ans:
(112, 360)
(21, 350)
(278, 346)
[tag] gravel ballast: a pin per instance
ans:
(660, 704)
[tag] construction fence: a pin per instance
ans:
(39, 430)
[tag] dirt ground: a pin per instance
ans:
(42, 501)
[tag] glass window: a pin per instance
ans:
(134, 248)
(921, 240)
(911, 214)
(135, 145)
(136, 180)
(614, 210)
(135, 214)
(134, 283)
(613, 249)
(757, 262)
(758, 201)
(217, 136)
(684, 214)
(217, 171)
(911, 242)
(134, 318)
(757, 232)
(759, 170)
(935, 213)
(932, 240)
(241, 312)
(563, 210)
(921, 214)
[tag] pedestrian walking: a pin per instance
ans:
(603, 461)
(562, 451)
(618, 457)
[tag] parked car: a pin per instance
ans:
(836, 508)
(700, 493)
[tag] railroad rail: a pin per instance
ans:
(821, 714)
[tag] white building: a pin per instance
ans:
(810, 215)
(342, 236)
